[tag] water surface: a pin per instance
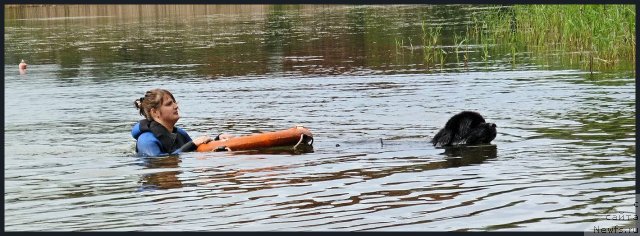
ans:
(564, 156)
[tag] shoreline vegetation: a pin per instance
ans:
(593, 37)
(597, 37)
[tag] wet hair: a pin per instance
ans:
(152, 99)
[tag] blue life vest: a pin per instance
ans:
(153, 139)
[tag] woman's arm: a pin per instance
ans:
(191, 145)
(149, 145)
(153, 149)
(187, 147)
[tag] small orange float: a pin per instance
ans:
(289, 137)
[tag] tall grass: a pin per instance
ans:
(430, 41)
(592, 37)
(600, 35)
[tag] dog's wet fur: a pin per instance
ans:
(465, 128)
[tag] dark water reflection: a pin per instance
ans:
(564, 155)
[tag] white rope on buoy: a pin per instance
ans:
(299, 141)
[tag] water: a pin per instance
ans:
(563, 158)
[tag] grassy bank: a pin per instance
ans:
(589, 37)
(597, 37)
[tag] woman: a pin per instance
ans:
(157, 135)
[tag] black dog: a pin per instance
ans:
(466, 127)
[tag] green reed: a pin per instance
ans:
(458, 41)
(430, 40)
(600, 36)
(399, 42)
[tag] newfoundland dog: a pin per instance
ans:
(466, 127)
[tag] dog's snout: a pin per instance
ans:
(493, 125)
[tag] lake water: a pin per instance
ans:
(563, 159)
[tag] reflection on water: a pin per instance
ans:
(467, 155)
(292, 150)
(564, 154)
(162, 179)
(211, 41)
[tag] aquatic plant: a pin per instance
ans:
(597, 37)
(430, 38)
(457, 42)
(399, 44)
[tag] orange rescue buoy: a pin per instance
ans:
(289, 137)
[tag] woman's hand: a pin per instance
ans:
(201, 140)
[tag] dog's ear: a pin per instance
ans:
(444, 137)
(464, 127)
(475, 136)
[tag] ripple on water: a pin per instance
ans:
(563, 157)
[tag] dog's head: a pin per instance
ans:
(483, 133)
(466, 127)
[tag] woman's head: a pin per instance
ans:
(158, 105)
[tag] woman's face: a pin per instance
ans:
(168, 111)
